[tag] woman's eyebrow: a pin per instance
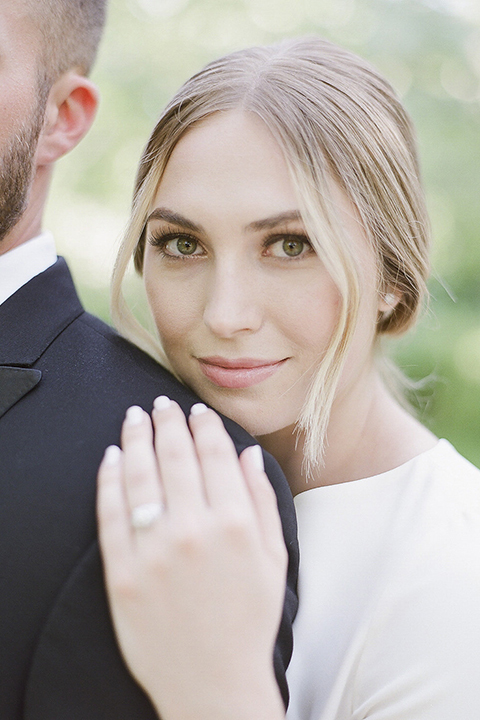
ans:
(273, 221)
(175, 219)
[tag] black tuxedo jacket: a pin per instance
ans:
(66, 380)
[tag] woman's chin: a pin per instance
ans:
(257, 421)
(256, 410)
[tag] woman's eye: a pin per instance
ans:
(293, 247)
(290, 246)
(178, 246)
(181, 246)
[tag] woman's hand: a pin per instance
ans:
(196, 583)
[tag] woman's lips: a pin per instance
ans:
(239, 373)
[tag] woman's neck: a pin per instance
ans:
(368, 433)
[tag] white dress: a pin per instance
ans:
(388, 626)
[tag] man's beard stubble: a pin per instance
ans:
(17, 169)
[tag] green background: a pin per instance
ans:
(430, 51)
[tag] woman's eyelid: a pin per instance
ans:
(285, 233)
(169, 232)
(160, 237)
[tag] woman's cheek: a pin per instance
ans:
(170, 304)
(173, 321)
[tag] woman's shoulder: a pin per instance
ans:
(435, 535)
(445, 455)
(439, 473)
(448, 479)
(421, 519)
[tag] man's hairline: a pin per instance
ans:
(47, 76)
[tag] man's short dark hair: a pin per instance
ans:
(70, 33)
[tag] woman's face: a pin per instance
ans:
(244, 307)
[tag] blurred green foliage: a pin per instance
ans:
(429, 49)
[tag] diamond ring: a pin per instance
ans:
(143, 516)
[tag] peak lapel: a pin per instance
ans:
(36, 314)
(16, 382)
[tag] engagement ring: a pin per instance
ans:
(143, 516)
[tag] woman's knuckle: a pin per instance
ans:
(214, 445)
(235, 527)
(190, 539)
(138, 474)
(173, 452)
(107, 513)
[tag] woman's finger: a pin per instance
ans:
(223, 477)
(113, 512)
(177, 460)
(140, 470)
(264, 499)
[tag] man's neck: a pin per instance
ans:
(30, 223)
(24, 262)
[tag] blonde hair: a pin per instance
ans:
(335, 118)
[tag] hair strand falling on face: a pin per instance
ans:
(339, 123)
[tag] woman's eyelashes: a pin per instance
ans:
(287, 246)
(178, 245)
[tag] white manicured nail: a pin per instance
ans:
(134, 415)
(198, 409)
(257, 457)
(112, 455)
(162, 402)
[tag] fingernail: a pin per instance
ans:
(112, 455)
(198, 409)
(134, 415)
(257, 457)
(162, 402)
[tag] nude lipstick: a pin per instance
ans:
(239, 372)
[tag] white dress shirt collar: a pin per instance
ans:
(24, 262)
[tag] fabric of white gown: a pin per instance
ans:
(388, 626)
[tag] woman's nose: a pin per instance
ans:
(233, 303)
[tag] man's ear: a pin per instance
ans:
(71, 107)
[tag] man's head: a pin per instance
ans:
(47, 48)
(69, 32)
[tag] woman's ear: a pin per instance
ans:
(71, 107)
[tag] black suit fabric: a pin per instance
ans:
(66, 380)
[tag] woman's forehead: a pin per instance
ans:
(230, 158)
(230, 134)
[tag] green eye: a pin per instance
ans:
(186, 246)
(293, 247)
